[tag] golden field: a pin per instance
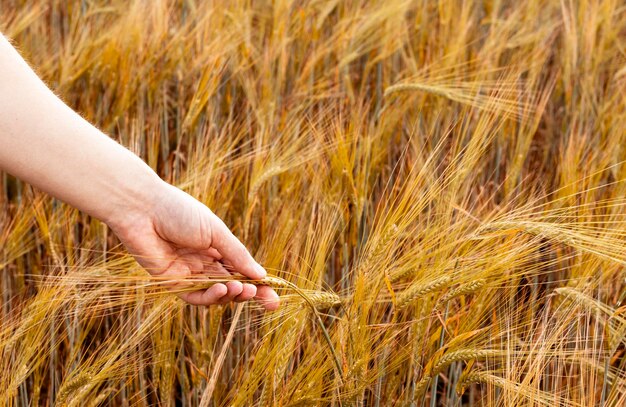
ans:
(436, 187)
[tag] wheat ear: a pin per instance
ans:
(420, 289)
(71, 386)
(464, 289)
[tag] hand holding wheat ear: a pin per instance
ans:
(177, 236)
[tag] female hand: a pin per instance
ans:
(176, 236)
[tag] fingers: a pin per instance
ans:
(264, 295)
(234, 251)
(248, 292)
(267, 297)
(235, 290)
(210, 296)
(231, 291)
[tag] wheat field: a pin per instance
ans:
(437, 189)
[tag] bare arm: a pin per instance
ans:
(47, 144)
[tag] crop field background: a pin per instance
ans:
(436, 187)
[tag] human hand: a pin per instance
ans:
(46, 143)
(176, 236)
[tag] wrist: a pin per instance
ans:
(135, 201)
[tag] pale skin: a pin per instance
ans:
(170, 233)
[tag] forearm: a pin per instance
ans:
(45, 143)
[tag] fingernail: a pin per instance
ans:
(261, 271)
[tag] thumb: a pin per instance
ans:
(234, 251)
